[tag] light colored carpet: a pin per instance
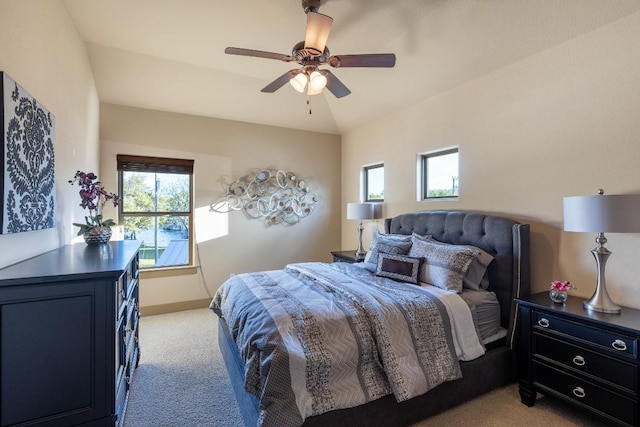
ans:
(182, 381)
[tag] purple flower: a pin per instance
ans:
(93, 197)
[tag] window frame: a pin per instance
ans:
(365, 182)
(148, 164)
(423, 159)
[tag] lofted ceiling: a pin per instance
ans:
(169, 55)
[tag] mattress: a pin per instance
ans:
(485, 311)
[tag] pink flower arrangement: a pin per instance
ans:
(562, 286)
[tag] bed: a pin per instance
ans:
(395, 402)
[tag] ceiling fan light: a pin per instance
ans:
(318, 28)
(299, 82)
(311, 91)
(317, 82)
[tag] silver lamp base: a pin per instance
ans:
(600, 301)
(360, 253)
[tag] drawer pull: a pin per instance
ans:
(619, 345)
(543, 322)
(579, 392)
(579, 360)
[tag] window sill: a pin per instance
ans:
(153, 273)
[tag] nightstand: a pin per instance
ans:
(345, 256)
(585, 358)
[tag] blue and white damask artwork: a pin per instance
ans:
(276, 196)
(27, 183)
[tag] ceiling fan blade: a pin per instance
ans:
(280, 81)
(317, 32)
(386, 60)
(258, 54)
(334, 85)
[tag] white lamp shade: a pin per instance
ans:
(618, 213)
(360, 211)
(299, 82)
(317, 81)
(318, 28)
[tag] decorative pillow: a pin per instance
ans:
(397, 244)
(477, 277)
(398, 267)
(445, 265)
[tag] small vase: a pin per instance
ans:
(97, 235)
(558, 296)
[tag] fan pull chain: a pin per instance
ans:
(309, 103)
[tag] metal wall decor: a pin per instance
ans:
(27, 182)
(276, 196)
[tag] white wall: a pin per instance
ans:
(563, 122)
(230, 243)
(41, 50)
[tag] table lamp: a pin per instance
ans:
(601, 213)
(360, 211)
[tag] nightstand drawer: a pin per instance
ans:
(617, 372)
(610, 341)
(586, 393)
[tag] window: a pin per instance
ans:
(156, 207)
(373, 180)
(439, 172)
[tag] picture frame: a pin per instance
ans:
(27, 182)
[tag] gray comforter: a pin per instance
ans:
(317, 337)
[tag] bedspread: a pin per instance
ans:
(317, 337)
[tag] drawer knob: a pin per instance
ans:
(543, 322)
(579, 392)
(579, 360)
(619, 345)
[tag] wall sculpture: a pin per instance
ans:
(276, 196)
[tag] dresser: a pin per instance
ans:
(585, 358)
(69, 336)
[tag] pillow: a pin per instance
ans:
(397, 244)
(477, 276)
(445, 265)
(398, 267)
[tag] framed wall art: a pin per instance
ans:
(27, 182)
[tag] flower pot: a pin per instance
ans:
(558, 296)
(97, 235)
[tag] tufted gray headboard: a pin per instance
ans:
(505, 239)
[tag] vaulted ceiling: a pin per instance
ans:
(169, 55)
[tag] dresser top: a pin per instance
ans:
(67, 261)
(627, 318)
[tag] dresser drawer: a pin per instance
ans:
(619, 373)
(613, 342)
(122, 387)
(586, 393)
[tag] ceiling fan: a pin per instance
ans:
(311, 53)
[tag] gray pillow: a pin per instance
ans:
(477, 276)
(398, 267)
(388, 243)
(445, 265)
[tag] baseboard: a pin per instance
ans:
(173, 307)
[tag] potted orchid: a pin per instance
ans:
(93, 197)
(558, 291)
